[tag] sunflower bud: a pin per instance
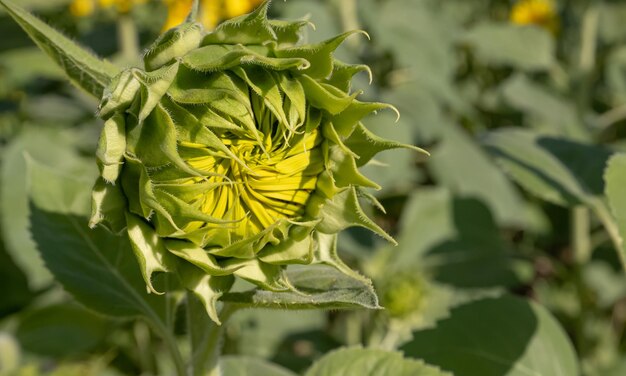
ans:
(235, 153)
(404, 294)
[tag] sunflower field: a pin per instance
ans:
(313, 187)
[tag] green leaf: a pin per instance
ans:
(607, 284)
(545, 110)
(10, 354)
(527, 48)
(83, 69)
(344, 211)
(372, 362)
(454, 238)
(17, 294)
(557, 170)
(56, 149)
(318, 287)
(497, 336)
(173, 44)
(97, 268)
(263, 334)
(461, 165)
(207, 288)
(246, 366)
(21, 66)
(611, 25)
(213, 58)
(318, 54)
(61, 330)
(108, 205)
(366, 144)
(615, 178)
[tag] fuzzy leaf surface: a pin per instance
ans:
(319, 287)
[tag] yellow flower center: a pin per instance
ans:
(267, 183)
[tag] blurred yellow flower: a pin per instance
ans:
(536, 12)
(83, 8)
(212, 12)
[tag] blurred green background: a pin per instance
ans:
(520, 109)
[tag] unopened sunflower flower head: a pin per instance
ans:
(235, 153)
(542, 13)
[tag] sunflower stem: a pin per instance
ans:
(206, 337)
(193, 14)
(128, 39)
(170, 342)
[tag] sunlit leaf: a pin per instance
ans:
(501, 336)
(318, 287)
(372, 362)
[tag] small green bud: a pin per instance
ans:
(404, 294)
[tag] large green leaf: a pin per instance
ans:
(557, 170)
(246, 366)
(371, 362)
(97, 268)
(84, 69)
(460, 164)
(495, 337)
(545, 110)
(56, 149)
(16, 292)
(454, 238)
(61, 330)
(318, 286)
(528, 48)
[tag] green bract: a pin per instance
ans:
(235, 153)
